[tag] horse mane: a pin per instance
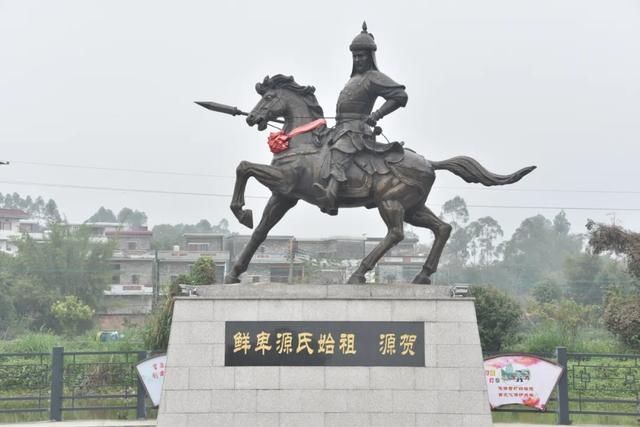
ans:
(280, 81)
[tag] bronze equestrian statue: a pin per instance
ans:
(344, 166)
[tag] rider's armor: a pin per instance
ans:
(355, 104)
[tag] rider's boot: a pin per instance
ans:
(327, 196)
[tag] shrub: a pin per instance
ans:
(498, 318)
(204, 271)
(622, 317)
(74, 316)
(158, 328)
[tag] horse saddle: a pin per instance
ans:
(378, 159)
(377, 156)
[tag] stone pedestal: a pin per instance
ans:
(449, 390)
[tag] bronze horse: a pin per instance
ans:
(399, 191)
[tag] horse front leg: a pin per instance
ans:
(265, 174)
(277, 206)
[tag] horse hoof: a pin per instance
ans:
(330, 211)
(421, 280)
(231, 279)
(356, 279)
(246, 218)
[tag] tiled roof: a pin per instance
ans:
(13, 213)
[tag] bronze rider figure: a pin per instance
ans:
(354, 117)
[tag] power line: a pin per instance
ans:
(539, 190)
(189, 193)
(130, 190)
(174, 173)
(145, 171)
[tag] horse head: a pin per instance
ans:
(281, 96)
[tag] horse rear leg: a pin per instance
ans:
(268, 176)
(276, 207)
(423, 217)
(392, 212)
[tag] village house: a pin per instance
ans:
(13, 224)
(274, 261)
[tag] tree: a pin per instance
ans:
(32, 302)
(537, 248)
(622, 307)
(546, 291)
(622, 316)
(498, 318)
(7, 310)
(67, 263)
(456, 252)
(583, 274)
(203, 271)
(561, 224)
(103, 215)
(37, 209)
(166, 236)
(74, 316)
(132, 218)
(51, 213)
(204, 226)
(182, 279)
(615, 239)
(222, 227)
(483, 234)
(567, 316)
(455, 212)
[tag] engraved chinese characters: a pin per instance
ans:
(284, 343)
(324, 344)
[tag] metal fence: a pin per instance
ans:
(592, 384)
(25, 381)
(604, 384)
(50, 385)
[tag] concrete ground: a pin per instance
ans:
(86, 423)
(152, 423)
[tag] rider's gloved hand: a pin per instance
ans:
(373, 118)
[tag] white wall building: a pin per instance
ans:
(13, 224)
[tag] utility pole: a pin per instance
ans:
(156, 282)
(291, 257)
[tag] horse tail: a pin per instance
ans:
(472, 171)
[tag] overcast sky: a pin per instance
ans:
(111, 84)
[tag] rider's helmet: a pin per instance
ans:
(365, 41)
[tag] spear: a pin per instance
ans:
(226, 109)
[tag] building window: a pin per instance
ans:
(135, 279)
(115, 279)
(131, 246)
(198, 247)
